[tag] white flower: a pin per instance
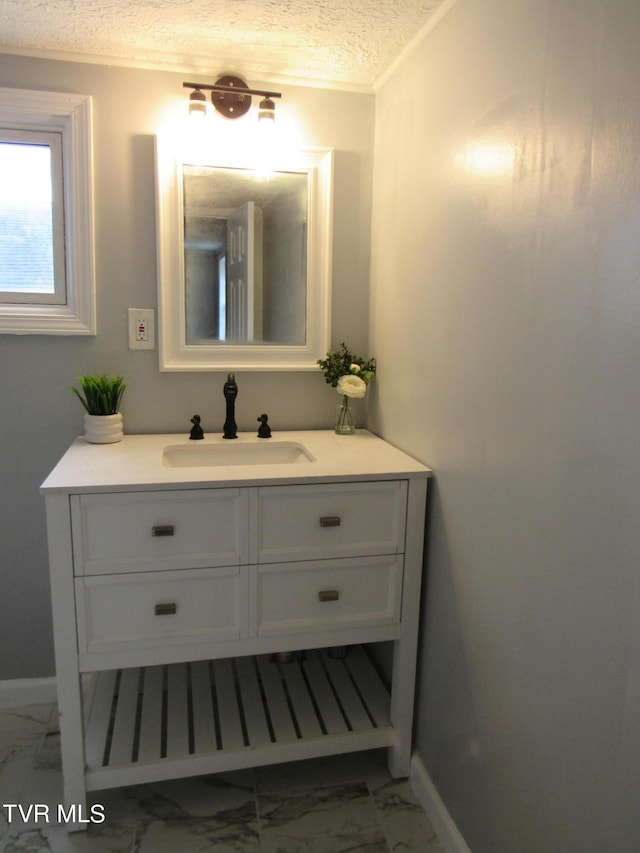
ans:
(354, 368)
(351, 386)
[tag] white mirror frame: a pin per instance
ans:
(174, 353)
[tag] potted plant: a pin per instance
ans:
(349, 374)
(101, 396)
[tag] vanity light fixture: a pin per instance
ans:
(231, 97)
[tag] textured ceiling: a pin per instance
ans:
(338, 42)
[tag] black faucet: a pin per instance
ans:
(230, 393)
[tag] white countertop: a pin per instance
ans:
(137, 461)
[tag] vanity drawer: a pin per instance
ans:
(328, 594)
(331, 520)
(137, 611)
(146, 531)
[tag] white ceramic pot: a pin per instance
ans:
(103, 429)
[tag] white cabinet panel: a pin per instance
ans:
(326, 594)
(146, 531)
(142, 610)
(331, 520)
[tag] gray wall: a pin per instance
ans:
(38, 416)
(506, 321)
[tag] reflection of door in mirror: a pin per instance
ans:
(245, 256)
(243, 318)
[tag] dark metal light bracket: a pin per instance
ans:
(230, 104)
(230, 95)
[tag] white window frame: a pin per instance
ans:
(71, 116)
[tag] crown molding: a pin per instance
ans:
(180, 65)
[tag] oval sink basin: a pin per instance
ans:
(261, 452)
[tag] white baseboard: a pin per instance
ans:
(27, 691)
(426, 792)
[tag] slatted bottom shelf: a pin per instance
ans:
(210, 716)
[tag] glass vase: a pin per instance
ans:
(344, 422)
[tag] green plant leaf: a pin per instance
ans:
(101, 394)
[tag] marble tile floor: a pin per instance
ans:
(330, 805)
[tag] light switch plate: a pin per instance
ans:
(142, 328)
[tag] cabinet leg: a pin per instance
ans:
(399, 761)
(72, 814)
(68, 682)
(402, 698)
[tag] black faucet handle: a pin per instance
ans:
(196, 430)
(264, 430)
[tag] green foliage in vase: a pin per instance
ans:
(101, 394)
(343, 362)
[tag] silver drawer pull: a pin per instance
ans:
(166, 609)
(328, 595)
(330, 521)
(163, 530)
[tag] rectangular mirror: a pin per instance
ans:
(244, 263)
(245, 256)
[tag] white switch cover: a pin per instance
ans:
(142, 328)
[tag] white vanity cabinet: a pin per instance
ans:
(175, 595)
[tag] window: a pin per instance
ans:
(32, 267)
(46, 223)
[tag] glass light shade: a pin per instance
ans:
(266, 110)
(197, 103)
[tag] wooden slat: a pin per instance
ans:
(252, 705)
(299, 695)
(177, 710)
(124, 727)
(99, 718)
(276, 699)
(204, 731)
(368, 683)
(328, 707)
(351, 703)
(228, 710)
(150, 738)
